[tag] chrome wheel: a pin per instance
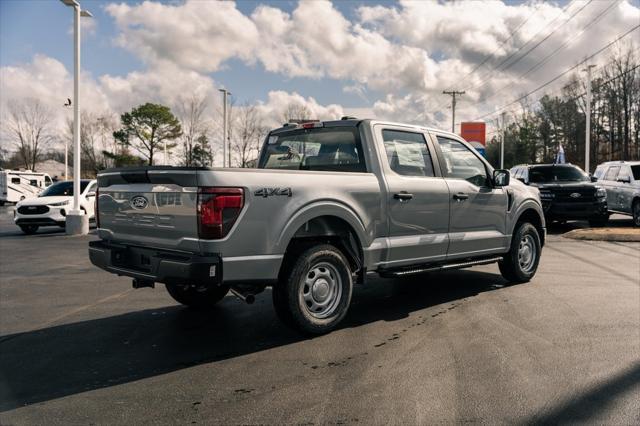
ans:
(321, 290)
(527, 253)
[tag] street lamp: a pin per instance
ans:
(77, 222)
(225, 130)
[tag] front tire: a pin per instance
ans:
(29, 229)
(196, 296)
(519, 265)
(314, 292)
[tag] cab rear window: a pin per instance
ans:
(320, 149)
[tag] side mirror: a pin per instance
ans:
(501, 178)
(593, 178)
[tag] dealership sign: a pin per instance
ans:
(475, 134)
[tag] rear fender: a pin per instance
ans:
(324, 208)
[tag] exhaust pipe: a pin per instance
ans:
(248, 298)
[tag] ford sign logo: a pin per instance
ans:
(139, 202)
(575, 195)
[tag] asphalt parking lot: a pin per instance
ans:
(79, 346)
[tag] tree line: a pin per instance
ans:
(138, 137)
(535, 131)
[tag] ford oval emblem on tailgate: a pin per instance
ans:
(139, 202)
(572, 195)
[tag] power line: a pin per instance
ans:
(490, 76)
(553, 53)
(554, 79)
(490, 55)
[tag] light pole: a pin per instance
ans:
(225, 94)
(77, 223)
(587, 139)
(504, 133)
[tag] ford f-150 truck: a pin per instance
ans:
(328, 204)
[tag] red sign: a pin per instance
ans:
(474, 132)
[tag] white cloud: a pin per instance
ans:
(404, 55)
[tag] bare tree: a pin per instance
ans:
(29, 128)
(247, 135)
(296, 113)
(191, 113)
(96, 138)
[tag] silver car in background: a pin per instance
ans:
(621, 179)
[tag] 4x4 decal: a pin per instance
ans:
(268, 192)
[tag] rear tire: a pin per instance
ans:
(519, 265)
(635, 210)
(29, 229)
(197, 296)
(314, 292)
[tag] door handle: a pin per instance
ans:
(460, 196)
(403, 196)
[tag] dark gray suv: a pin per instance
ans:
(621, 179)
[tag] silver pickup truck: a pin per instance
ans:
(328, 204)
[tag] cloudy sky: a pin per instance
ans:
(387, 60)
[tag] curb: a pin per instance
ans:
(605, 234)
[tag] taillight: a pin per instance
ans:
(218, 209)
(96, 212)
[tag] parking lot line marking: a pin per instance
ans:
(83, 308)
(597, 265)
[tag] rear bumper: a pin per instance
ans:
(156, 265)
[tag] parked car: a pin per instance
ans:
(567, 192)
(329, 203)
(622, 182)
(51, 206)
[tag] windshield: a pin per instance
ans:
(63, 188)
(335, 149)
(546, 174)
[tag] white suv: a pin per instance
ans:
(51, 206)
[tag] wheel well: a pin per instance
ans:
(532, 216)
(327, 229)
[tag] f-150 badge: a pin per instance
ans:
(268, 192)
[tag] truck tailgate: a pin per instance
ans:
(153, 206)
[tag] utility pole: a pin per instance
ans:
(225, 151)
(453, 94)
(587, 139)
(504, 133)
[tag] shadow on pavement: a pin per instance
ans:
(63, 360)
(592, 401)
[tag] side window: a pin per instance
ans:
(624, 174)
(47, 181)
(407, 153)
(600, 171)
(461, 163)
(612, 173)
(33, 182)
(15, 180)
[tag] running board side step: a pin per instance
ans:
(443, 267)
